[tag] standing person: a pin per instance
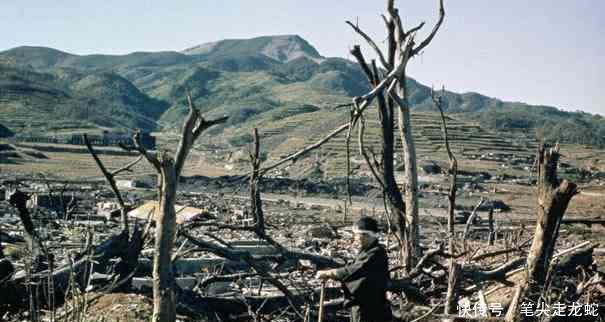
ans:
(365, 279)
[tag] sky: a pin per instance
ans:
(546, 52)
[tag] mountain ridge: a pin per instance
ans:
(248, 79)
(282, 48)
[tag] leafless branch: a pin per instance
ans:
(363, 152)
(372, 44)
(415, 29)
(128, 167)
(471, 218)
(298, 154)
(151, 157)
(110, 177)
(356, 52)
(453, 171)
(193, 127)
(433, 32)
(438, 101)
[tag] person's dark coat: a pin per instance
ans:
(365, 283)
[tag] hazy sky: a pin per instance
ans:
(549, 52)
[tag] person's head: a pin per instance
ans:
(365, 231)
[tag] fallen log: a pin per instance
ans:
(584, 221)
(497, 274)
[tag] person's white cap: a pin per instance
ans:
(364, 231)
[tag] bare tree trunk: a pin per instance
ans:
(169, 171)
(255, 200)
(452, 289)
(471, 220)
(554, 196)
(406, 233)
(454, 268)
(453, 172)
(130, 257)
(19, 200)
(164, 308)
(410, 178)
(390, 91)
(385, 172)
(492, 233)
(515, 305)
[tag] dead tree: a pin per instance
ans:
(471, 220)
(554, 196)
(453, 171)
(452, 288)
(255, 200)
(169, 170)
(490, 221)
(454, 268)
(34, 245)
(130, 257)
(389, 89)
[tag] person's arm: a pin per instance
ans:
(359, 268)
(356, 269)
(326, 274)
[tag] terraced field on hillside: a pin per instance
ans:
(468, 139)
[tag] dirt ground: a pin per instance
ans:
(119, 307)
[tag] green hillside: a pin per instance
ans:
(546, 122)
(33, 101)
(263, 81)
(43, 58)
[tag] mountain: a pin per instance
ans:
(280, 48)
(66, 98)
(280, 83)
(43, 58)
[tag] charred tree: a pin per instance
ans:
(255, 177)
(454, 268)
(554, 196)
(169, 170)
(19, 200)
(383, 171)
(130, 257)
(389, 89)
